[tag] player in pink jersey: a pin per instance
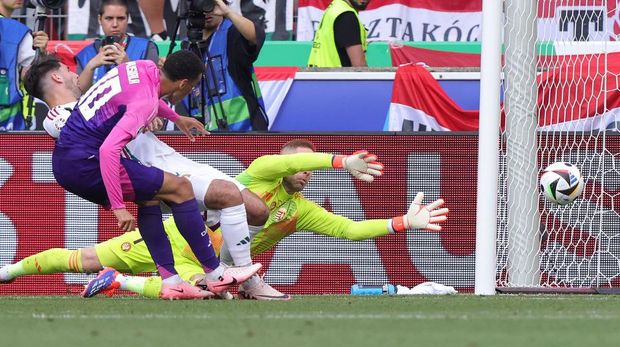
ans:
(87, 160)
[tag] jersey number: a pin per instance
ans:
(99, 94)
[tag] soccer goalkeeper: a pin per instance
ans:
(278, 179)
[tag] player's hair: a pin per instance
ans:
(105, 3)
(183, 65)
(299, 143)
(43, 65)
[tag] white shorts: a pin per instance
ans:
(151, 151)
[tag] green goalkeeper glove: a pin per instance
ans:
(361, 165)
(421, 217)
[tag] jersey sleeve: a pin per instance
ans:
(110, 160)
(55, 120)
(318, 220)
(271, 167)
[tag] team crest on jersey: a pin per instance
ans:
(126, 246)
(284, 212)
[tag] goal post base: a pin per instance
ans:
(531, 290)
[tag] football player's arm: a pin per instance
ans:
(110, 158)
(318, 220)
(424, 217)
(271, 167)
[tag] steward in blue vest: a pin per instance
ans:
(136, 49)
(12, 33)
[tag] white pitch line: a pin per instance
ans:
(319, 315)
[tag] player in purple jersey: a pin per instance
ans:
(87, 161)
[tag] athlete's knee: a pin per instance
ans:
(90, 260)
(176, 189)
(257, 211)
(222, 194)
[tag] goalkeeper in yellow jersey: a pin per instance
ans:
(278, 180)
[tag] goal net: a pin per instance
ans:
(561, 103)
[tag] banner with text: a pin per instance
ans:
(445, 20)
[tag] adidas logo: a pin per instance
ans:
(245, 241)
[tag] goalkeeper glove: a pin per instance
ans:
(421, 217)
(361, 164)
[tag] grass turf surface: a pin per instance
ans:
(460, 320)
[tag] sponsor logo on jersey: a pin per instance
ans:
(126, 246)
(132, 72)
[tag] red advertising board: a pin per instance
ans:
(37, 214)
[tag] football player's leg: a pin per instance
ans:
(226, 197)
(125, 253)
(256, 209)
(51, 261)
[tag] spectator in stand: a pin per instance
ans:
(17, 51)
(153, 11)
(341, 37)
(116, 48)
(230, 90)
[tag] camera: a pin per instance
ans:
(196, 10)
(47, 4)
(110, 40)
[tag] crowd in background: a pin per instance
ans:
(227, 99)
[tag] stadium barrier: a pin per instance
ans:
(37, 214)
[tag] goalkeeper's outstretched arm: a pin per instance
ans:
(424, 217)
(361, 165)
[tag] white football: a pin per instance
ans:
(561, 183)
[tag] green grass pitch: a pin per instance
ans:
(460, 320)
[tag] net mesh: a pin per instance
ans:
(575, 112)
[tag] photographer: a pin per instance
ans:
(232, 44)
(17, 51)
(115, 48)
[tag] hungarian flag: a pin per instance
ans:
(274, 83)
(420, 104)
(575, 93)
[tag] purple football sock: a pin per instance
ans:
(154, 236)
(188, 219)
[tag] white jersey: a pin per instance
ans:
(56, 118)
(151, 151)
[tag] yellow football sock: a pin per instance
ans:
(152, 287)
(52, 261)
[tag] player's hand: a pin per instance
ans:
(361, 164)
(156, 124)
(161, 62)
(426, 217)
(189, 126)
(125, 220)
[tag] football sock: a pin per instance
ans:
(215, 275)
(153, 234)
(225, 256)
(51, 261)
(234, 225)
(254, 280)
(189, 221)
(147, 286)
(254, 229)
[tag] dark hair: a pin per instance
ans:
(105, 3)
(299, 143)
(36, 73)
(183, 65)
